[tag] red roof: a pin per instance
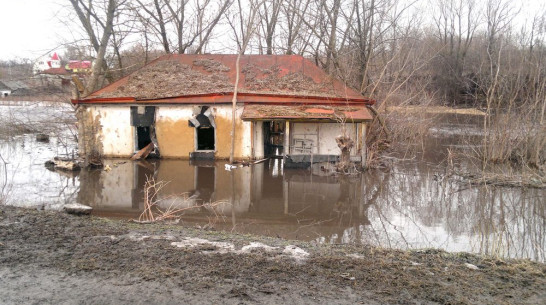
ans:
(184, 78)
(55, 56)
(55, 71)
(77, 64)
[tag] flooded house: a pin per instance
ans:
(286, 107)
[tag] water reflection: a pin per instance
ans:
(410, 206)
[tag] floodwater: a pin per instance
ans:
(411, 206)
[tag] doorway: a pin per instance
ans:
(273, 138)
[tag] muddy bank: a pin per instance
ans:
(52, 257)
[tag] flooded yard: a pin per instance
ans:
(411, 206)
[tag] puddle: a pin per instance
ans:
(412, 206)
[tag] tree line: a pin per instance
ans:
(456, 51)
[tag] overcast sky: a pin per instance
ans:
(32, 28)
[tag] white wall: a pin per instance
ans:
(319, 138)
(327, 138)
(115, 130)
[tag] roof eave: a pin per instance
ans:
(225, 97)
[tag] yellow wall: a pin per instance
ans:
(175, 138)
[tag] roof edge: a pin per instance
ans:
(220, 97)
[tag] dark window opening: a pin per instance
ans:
(205, 138)
(143, 136)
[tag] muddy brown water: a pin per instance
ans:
(411, 206)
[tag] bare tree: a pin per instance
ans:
(192, 22)
(243, 34)
(293, 12)
(269, 17)
(97, 20)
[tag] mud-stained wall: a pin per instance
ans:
(243, 134)
(107, 130)
(319, 138)
(176, 139)
(89, 132)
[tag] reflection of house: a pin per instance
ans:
(182, 103)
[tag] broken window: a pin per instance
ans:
(143, 136)
(205, 138)
(203, 121)
(143, 119)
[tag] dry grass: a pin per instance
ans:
(532, 180)
(153, 213)
(511, 138)
(435, 110)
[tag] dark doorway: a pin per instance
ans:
(205, 138)
(143, 136)
(273, 138)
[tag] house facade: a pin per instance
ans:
(286, 107)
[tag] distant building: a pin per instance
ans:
(79, 66)
(45, 63)
(17, 87)
(4, 90)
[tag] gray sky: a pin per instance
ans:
(32, 28)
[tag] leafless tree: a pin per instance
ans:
(97, 19)
(192, 22)
(243, 32)
(293, 12)
(269, 17)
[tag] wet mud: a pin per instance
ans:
(52, 257)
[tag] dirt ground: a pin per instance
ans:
(49, 257)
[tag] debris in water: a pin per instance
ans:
(94, 160)
(62, 164)
(42, 137)
(144, 152)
